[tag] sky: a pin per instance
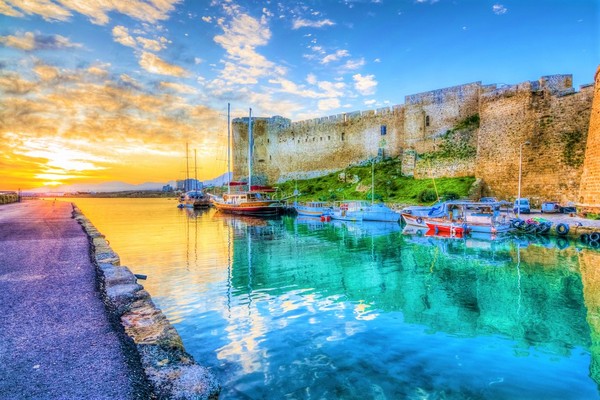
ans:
(101, 91)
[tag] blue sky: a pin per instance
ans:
(144, 75)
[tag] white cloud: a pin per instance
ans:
(207, 19)
(121, 35)
(151, 44)
(328, 104)
(304, 23)
(242, 34)
(351, 65)
(30, 41)
(499, 9)
(177, 87)
(97, 11)
(335, 56)
(152, 63)
(365, 85)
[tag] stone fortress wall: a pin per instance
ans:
(589, 190)
(549, 113)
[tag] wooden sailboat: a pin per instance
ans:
(256, 200)
(193, 197)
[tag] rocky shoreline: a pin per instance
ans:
(171, 372)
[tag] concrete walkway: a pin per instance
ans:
(56, 341)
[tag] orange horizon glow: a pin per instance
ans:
(22, 170)
(79, 137)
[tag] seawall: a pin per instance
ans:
(8, 197)
(171, 371)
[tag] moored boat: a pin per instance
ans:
(194, 199)
(480, 217)
(313, 208)
(361, 210)
(253, 203)
(256, 201)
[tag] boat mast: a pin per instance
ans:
(187, 168)
(228, 149)
(250, 150)
(372, 181)
(195, 172)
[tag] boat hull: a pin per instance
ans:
(265, 209)
(414, 220)
(450, 229)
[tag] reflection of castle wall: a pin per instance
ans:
(590, 276)
(448, 289)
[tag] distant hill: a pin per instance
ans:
(219, 181)
(118, 186)
(115, 186)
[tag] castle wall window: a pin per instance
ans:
(383, 130)
(343, 136)
(427, 120)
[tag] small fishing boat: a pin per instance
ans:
(361, 210)
(313, 208)
(194, 199)
(480, 217)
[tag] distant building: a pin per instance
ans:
(189, 184)
(167, 188)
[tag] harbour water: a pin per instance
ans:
(300, 309)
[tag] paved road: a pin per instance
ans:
(56, 341)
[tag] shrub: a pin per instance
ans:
(427, 196)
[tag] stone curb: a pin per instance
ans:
(171, 372)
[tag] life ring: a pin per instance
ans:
(562, 229)
(594, 244)
(584, 237)
(595, 236)
(419, 220)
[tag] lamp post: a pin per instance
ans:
(520, 171)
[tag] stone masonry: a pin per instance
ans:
(589, 192)
(548, 113)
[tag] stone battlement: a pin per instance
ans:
(547, 112)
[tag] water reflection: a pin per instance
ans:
(298, 308)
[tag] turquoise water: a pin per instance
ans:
(299, 309)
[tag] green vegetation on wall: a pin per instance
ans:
(354, 183)
(457, 143)
(574, 150)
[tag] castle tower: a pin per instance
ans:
(589, 189)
